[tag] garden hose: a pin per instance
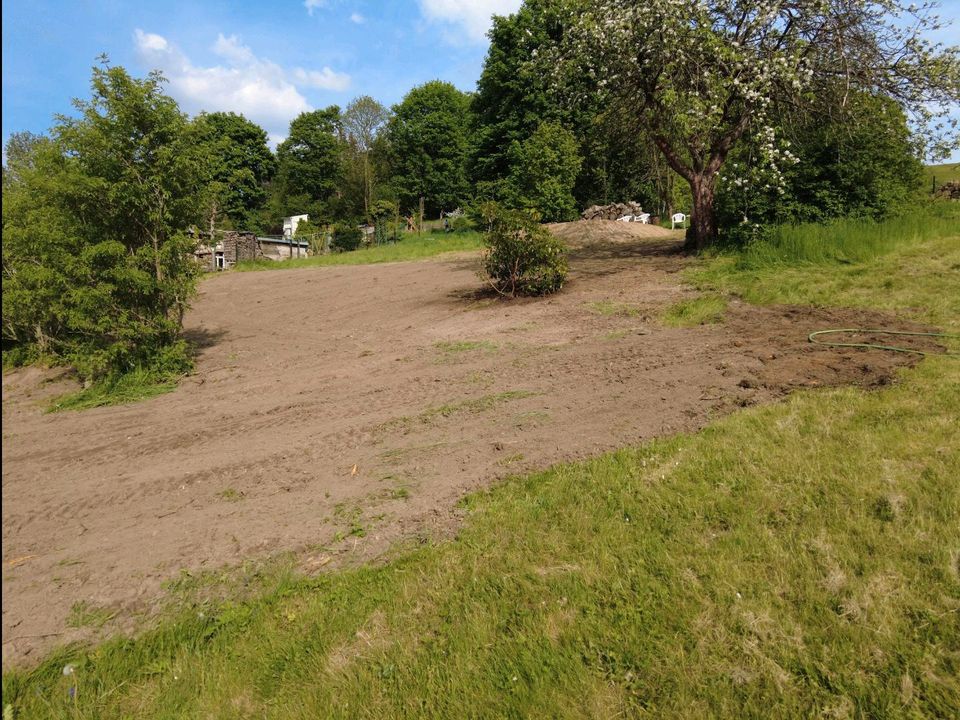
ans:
(893, 348)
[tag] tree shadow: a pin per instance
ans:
(201, 339)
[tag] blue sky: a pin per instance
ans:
(268, 60)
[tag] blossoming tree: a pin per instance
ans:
(696, 76)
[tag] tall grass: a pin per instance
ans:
(849, 240)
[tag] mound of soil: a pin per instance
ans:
(377, 396)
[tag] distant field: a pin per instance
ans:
(946, 172)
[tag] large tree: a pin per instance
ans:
(363, 120)
(241, 165)
(697, 76)
(544, 170)
(514, 96)
(310, 163)
(429, 140)
(96, 266)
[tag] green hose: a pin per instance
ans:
(894, 348)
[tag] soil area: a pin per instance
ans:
(336, 410)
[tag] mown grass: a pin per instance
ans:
(793, 560)
(410, 247)
(703, 310)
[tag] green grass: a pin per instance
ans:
(85, 614)
(792, 560)
(410, 247)
(702, 310)
(608, 308)
(851, 240)
(943, 173)
(132, 387)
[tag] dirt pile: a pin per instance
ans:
(592, 233)
(611, 212)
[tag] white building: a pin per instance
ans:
(290, 224)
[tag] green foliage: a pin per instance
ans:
(514, 98)
(544, 171)
(429, 140)
(97, 272)
(310, 166)
(859, 162)
(346, 236)
(522, 257)
(461, 224)
(240, 166)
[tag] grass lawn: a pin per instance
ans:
(409, 247)
(795, 560)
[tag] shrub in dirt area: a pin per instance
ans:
(522, 257)
(346, 236)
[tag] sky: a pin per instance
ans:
(267, 60)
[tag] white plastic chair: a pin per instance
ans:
(625, 218)
(678, 219)
(643, 218)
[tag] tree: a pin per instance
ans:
(696, 77)
(858, 163)
(429, 141)
(363, 120)
(241, 165)
(514, 96)
(309, 163)
(96, 267)
(544, 171)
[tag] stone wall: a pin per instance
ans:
(238, 246)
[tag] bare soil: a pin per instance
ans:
(336, 410)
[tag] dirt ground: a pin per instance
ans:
(336, 410)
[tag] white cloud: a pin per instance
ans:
(150, 41)
(472, 16)
(258, 88)
(325, 79)
(312, 5)
(357, 18)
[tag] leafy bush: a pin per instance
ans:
(461, 224)
(97, 272)
(346, 236)
(522, 257)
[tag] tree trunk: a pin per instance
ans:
(703, 221)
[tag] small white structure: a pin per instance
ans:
(290, 224)
(678, 219)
